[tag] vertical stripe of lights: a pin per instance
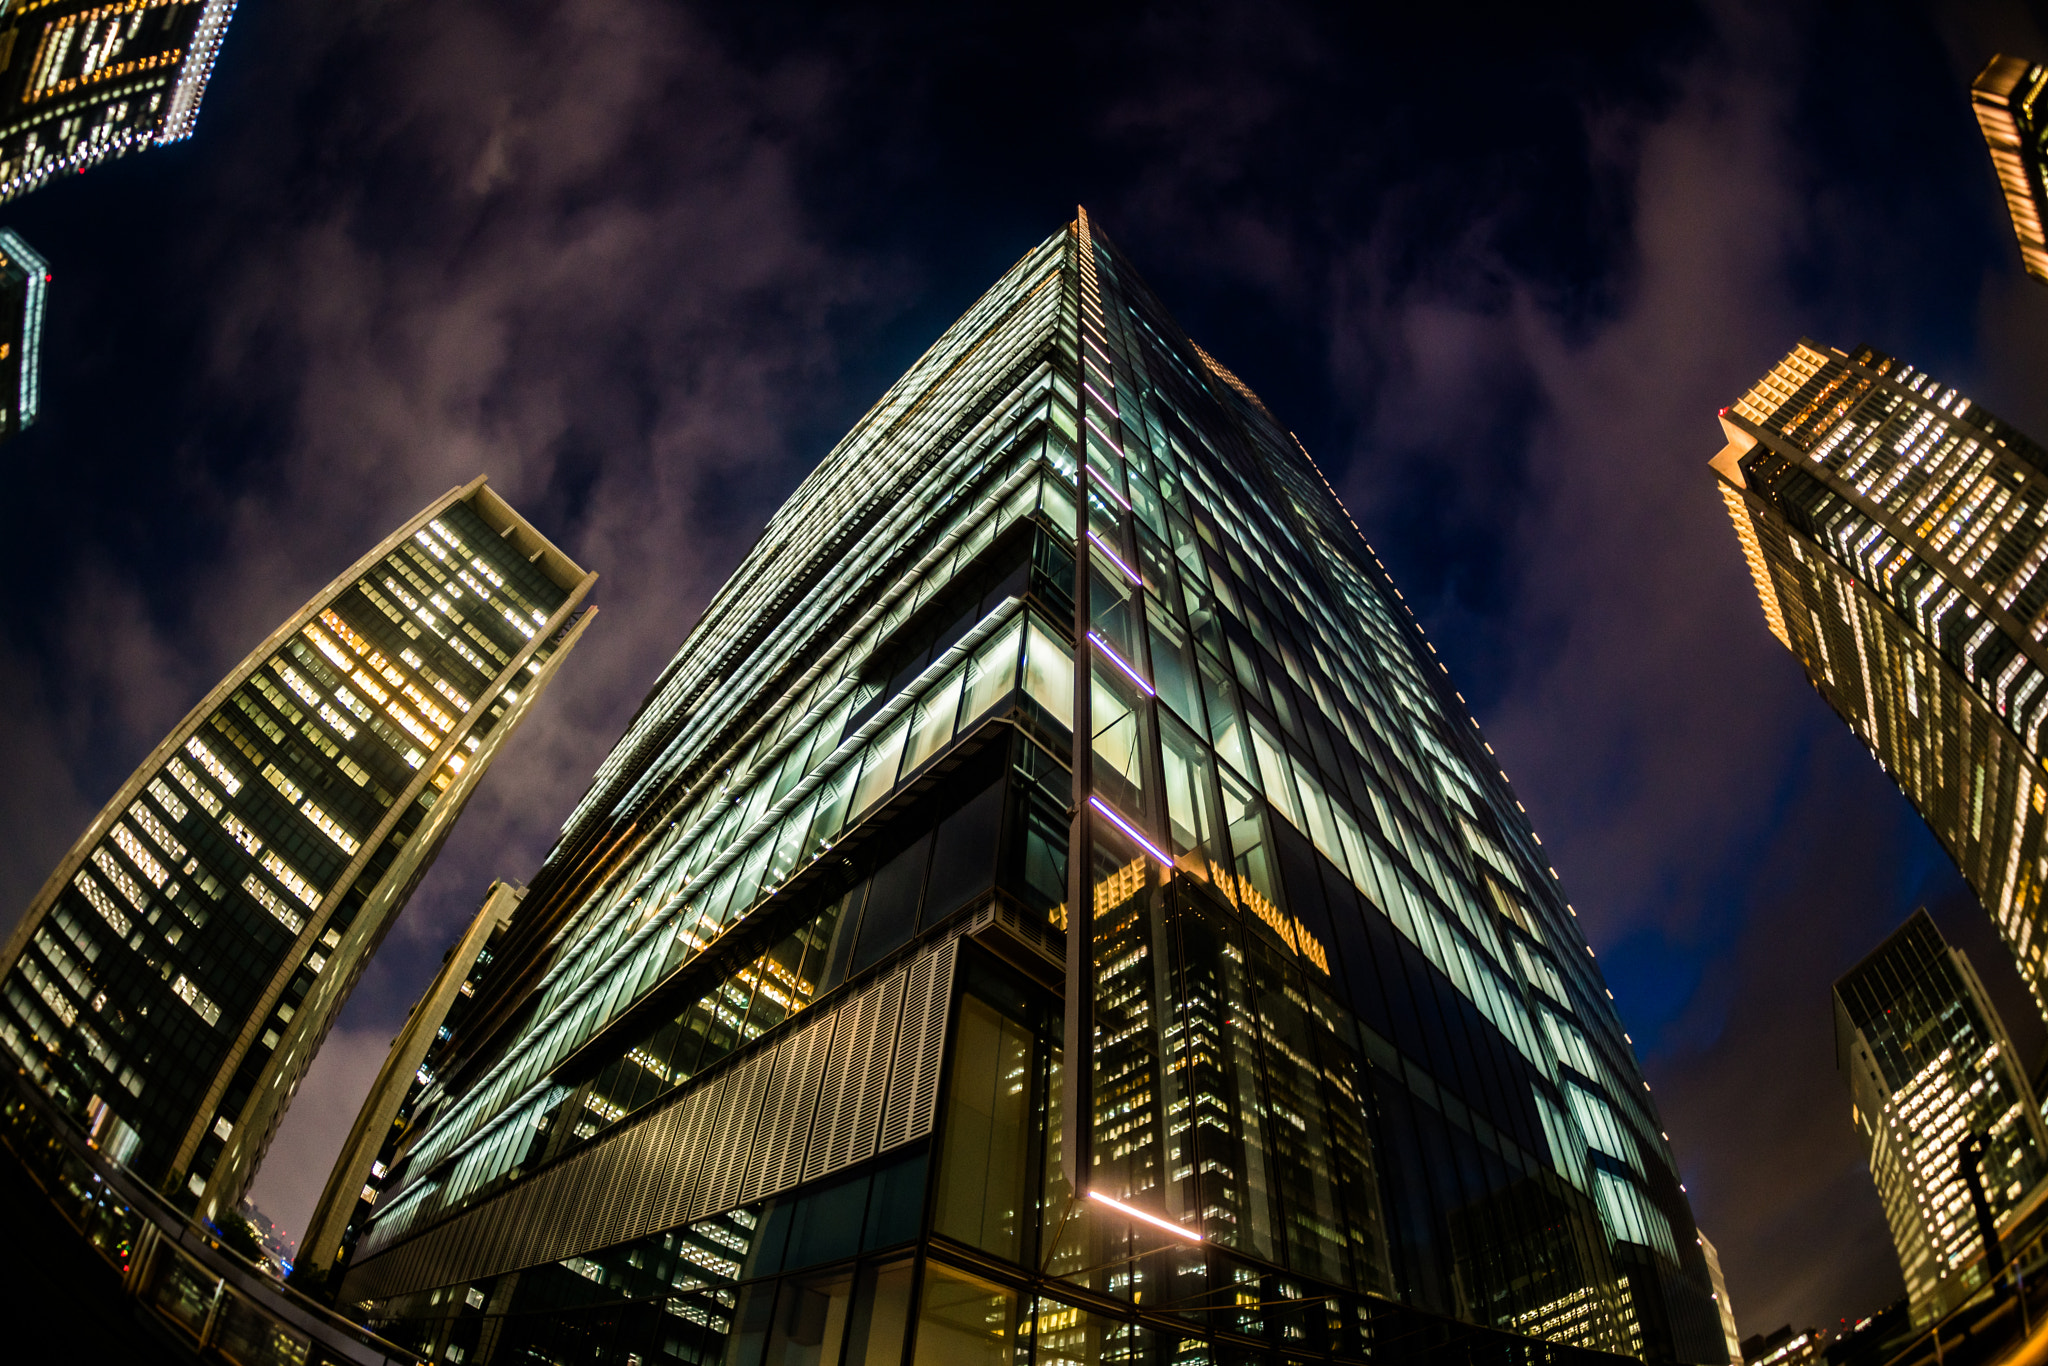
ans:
(1119, 661)
(1077, 1084)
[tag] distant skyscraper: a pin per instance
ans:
(173, 978)
(82, 81)
(1897, 535)
(24, 278)
(771, 1058)
(354, 1184)
(1928, 1064)
(2007, 98)
(1720, 1283)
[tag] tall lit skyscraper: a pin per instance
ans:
(771, 1056)
(1896, 534)
(1731, 1339)
(2007, 99)
(82, 81)
(24, 278)
(170, 983)
(1928, 1064)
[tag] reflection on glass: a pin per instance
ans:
(963, 1320)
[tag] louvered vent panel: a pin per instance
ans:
(681, 1162)
(722, 1185)
(703, 1131)
(778, 1157)
(850, 1107)
(913, 1090)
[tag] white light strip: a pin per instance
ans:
(1154, 850)
(1121, 1208)
(1106, 377)
(1118, 660)
(1132, 573)
(1113, 410)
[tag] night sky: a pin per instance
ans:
(643, 262)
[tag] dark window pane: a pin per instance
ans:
(964, 854)
(892, 904)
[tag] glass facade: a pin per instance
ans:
(170, 983)
(82, 81)
(1928, 1064)
(1897, 533)
(2006, 97)
(24, 280)
(771, 1062)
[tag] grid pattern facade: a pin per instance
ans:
(1928, 1064)
(1348, 1047)
(2006, 97)
(174, 977)
(82, 81)
(1898, 536)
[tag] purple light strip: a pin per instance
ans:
(1104, 435)
(1113, 410)
(1109, 487)
(1120, 823)
(1118, 660)
(1106, 379)
(1131, 573)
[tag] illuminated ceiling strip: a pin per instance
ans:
(1103, 479)
(1149, 847)
(1118, 660)
(1131, 573)
(1121, 1208)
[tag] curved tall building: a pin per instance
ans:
(859, 1015)
(170, 983)
(1897, 535)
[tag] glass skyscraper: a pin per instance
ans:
(84, 80)
(1929, 1063)
(170, 983)
(2006, 97)
(24, 280)
(771, 1058)
(1896, 534)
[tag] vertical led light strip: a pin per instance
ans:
(1077, 1077)
(37, 271)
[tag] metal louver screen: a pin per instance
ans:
(861, 1079)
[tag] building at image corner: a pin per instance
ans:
(1897, 535)
(772, 1056)
(83, 81)
(170, 983)
(1730, 1338)
(1928, 1062)
(2006, 97)
(24, 281)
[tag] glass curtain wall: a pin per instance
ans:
(1349, 1051)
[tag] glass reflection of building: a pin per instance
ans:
(1929, 1063)
(1896, 534)
(24, 280)
(171, 981)
(2006, 97)
(770, 1057)
(82, 81)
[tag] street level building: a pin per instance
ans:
(2006, 97)
(1929, 1064)
(861, 1015)
(24, 280)
(82, 81)
(170, 983)
(1896, 534)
